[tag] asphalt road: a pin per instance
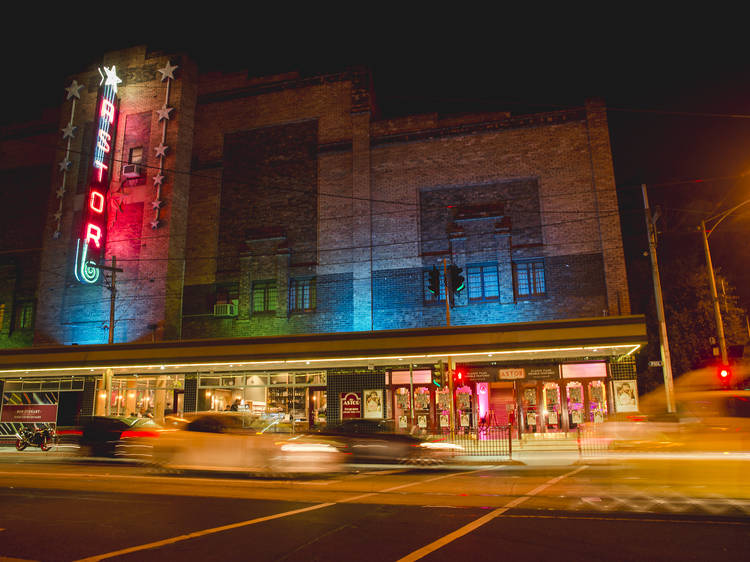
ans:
(566, 511)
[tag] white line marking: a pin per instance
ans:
(466, 529)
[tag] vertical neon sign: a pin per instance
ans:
(91, 242)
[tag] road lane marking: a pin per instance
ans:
(197, 534)
(394, 488)
(466, 529)
(633, 519)
(202, 533)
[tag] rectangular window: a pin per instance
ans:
(530, 278)
(24, 315)
(301, 295)
(264, 296)
(429, 296)
(136, 155)
(483, 282)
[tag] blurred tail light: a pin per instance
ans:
(141, 433)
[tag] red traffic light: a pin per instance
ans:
(459, 375)
(724, 374)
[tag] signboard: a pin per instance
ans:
(542, 372)
(511, 374)
(91, 242)
(29, 413)
(480, 373)
(351, 405)
(654, 363)
(626, 396)
(373, 403)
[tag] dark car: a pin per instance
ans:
(117, 436)
(376, 441)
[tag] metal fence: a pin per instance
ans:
(591, 442)
(486, 441)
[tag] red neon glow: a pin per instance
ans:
(96, 202)
(108, 110)
(93, 233)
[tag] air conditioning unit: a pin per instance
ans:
(225, 309)
(132, 171)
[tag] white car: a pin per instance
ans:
(231, 442)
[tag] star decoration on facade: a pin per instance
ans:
(161, 150)
(58, 215)
(155, 224)
(56, 235)
(64, 165)
(168, 71)
(60, 192)
(156, 204)
(74, 90)
(158, 179)
(69, 131)
(164, 112)
(111, 78)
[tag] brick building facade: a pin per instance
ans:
(242, 207)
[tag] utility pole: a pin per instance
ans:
(451, 365)
(666, 362)
(112, 297)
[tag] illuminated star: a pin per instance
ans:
(111, 79)
(161, 150)
(156, 204)
(158, 179)
(74, 90)
(69, 131)
(168, 71)
(64, 165)
(58, 215)
(60, 192)
(164, 112)
(155, 224)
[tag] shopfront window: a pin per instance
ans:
(529, 407)
(597, 401)
(146, 396)
(576, 405)
(422, 406)
(464, 407)
(552, 406)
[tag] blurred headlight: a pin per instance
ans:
(308, 448)
(441, 446)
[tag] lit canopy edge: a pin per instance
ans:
(599, 337)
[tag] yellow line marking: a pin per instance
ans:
(633, 519)
(197, 534)
(466, 529)
(231, 526)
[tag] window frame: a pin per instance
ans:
(267, 286)
(294, 284)
(532, 268)
(21, 320)
(482, 281)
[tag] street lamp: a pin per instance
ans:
(712, 278)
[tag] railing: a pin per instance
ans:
(484, 441)
(591, 442)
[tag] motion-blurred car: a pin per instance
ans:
(118, 437)
(240, 443)
(375, 441)
(705, 420)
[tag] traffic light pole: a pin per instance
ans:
(714, 297)
(447, 294)
(451, 366)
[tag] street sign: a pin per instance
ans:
(654, 363)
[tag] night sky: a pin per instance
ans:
(678, 96)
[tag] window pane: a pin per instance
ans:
(490, 282)
(475, 282)
(522, 276)
(539, 278)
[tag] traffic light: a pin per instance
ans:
(458, 375)
(457, 281)
(724, 374)
(434, 282)
(437, 375)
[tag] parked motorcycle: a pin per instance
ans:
(42, 438)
